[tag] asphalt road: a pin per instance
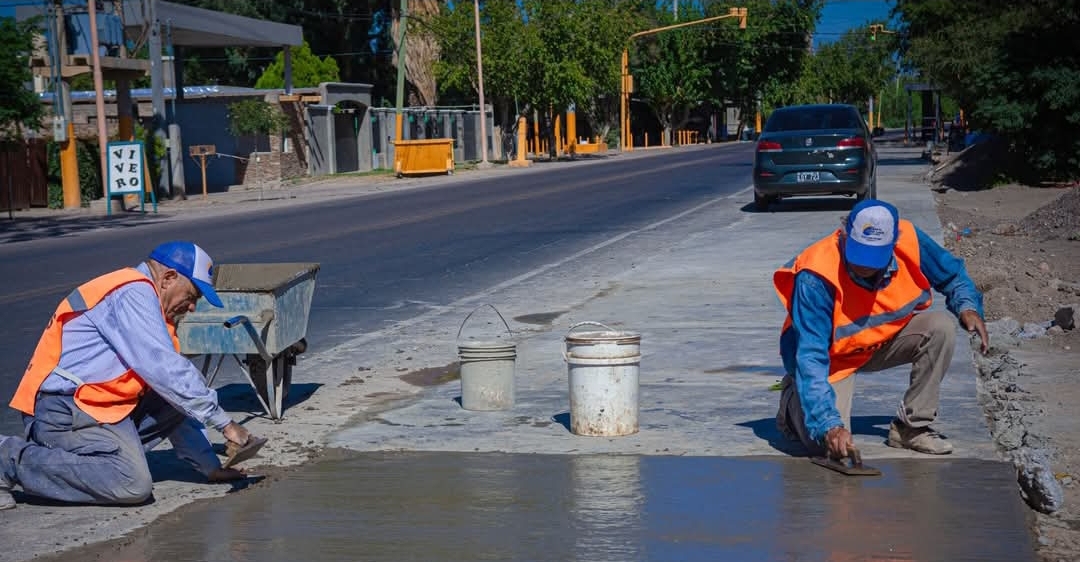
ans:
(384, 257)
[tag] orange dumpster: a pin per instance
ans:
(424, 156)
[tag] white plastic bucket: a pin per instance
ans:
(602, 368)
(487, 371)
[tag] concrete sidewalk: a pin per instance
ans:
(696, 286)
(698, 289)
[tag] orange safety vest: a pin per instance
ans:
(109, 401)
(863, 320)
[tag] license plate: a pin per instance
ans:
(802, 177)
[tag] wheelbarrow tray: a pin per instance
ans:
(284, 290)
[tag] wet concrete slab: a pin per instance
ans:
(501, 506)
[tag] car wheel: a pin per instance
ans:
(762, 202)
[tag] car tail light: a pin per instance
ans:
(769, 146)
(853, 142)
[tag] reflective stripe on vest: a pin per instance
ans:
(863, 321)
(107, 402)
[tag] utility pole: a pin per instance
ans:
(402, 13)
(157, 92)
(676, 9)
(480, 80)
(99, 94)
(69, 158)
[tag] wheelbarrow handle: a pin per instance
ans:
(265, 316)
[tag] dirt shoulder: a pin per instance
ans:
(1022, 248)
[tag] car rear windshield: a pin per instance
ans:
(809, 119)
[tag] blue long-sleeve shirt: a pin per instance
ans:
(804, 347)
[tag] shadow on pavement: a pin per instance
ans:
(240, 397)
(805, 204)
(562, 419)
(766, 430)
(871, 425)
(24, 229)
(913, 161)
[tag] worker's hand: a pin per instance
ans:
(972, 322)
(838, 440)
(226, 475)
(236, 433)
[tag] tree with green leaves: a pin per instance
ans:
(853, 68)
(308, 70)
(254, 118)
(19, 106)
(767, 57)
(671, 71)
(1012, 67)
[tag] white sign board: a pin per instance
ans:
(125, 160)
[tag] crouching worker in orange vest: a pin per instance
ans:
(857, 300)
(107, 382)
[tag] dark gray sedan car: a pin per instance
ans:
(822, 149)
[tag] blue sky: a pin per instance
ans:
(839, 16)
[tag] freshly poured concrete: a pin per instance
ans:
(494, 506)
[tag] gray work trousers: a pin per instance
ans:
(67, 455)
(926, 342)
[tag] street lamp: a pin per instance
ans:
(626, 86)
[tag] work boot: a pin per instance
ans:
(921, 439)
(6, 499)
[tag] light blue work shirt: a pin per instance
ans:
(804, 346)
(124, 331)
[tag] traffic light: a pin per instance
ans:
(874, 29)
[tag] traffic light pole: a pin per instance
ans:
(627, 84)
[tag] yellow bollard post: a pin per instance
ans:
(571, 127)
(69, 169)
(558, 136)
(646, 140)
(521, 161)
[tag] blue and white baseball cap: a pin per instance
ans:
(192, 262)
(872, 228)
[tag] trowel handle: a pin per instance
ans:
(855, 456)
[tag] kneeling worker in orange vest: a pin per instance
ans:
(857, 300)
(107, 382)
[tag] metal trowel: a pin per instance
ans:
(240, 453)
(854, 468)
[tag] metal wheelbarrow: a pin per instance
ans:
(262, 324)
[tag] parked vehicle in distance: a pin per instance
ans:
(820, 149)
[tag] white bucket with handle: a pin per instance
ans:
(602, 368)
(487, 370)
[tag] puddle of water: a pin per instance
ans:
(433, 376)
(487, 506)
(540, 318)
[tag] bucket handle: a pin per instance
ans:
(474, 312)
(588, 323)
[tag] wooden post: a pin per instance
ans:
(202, 151)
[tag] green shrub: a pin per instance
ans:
(89, 172)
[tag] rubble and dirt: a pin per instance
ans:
(1021, 245)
